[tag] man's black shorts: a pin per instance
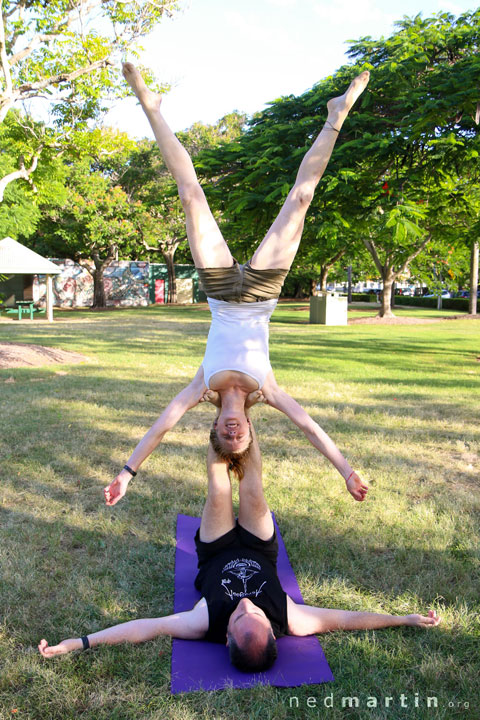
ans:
(236, 538)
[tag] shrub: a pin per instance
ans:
(364, 297)
(460, 304)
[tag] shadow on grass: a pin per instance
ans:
(72, 565)
(384, 565)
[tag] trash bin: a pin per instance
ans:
(328, 309)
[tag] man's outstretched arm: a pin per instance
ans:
(185, 400)
(279, 399)
(191, 625)
(308, 620)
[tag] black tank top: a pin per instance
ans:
(234, 574)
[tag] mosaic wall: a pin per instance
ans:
(126, 284)
(73, 287)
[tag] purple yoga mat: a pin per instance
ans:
(200, 665)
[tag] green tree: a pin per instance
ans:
(422, 112)
(446, 261)
(20, 202)
(95, 222)
(465, 218)
(62, 53)
(158, 217)
(415, 124)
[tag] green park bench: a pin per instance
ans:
(22, 308)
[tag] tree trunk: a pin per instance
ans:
(386, 298)
(473, 301)
(323, 277)
(299, 293)
(313, 287)
(349, 280)
(389, 274)
(172, 278)
(99, 299)
(23, 173)
(392, 295)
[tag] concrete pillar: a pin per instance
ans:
(49, 299)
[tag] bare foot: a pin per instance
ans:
(339, 107)
(255, 397)
(149, 100)
(213, 397)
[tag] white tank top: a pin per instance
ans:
(238, 339)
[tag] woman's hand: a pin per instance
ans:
(211, 396)
(255, 397)
(117, 488)
(356, 487)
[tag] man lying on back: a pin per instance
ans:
(243, 603)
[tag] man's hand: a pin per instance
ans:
(255, 397)
(357, 487)
(117, 489)
(62, 648)
(431, 620)
(211, 396)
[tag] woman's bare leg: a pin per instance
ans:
(279, 246)
(207, 245)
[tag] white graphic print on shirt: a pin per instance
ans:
(243, 569)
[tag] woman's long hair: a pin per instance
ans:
(234, 460)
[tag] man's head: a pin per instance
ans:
(250, 639)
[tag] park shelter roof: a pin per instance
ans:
(16, 259)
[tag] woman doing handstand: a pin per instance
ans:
(236, 370)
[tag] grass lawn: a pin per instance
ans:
(403, 404)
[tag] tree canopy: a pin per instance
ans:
(412, 132)
(402, 183)
(92, 221)
(62, 56)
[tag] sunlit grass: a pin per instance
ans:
(402, 403)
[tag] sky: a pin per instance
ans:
(225, 55)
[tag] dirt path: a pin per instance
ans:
(26, 355)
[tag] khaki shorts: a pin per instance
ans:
(241, 283)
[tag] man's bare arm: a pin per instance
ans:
(191, 625)
(185, 400)
(308, 620)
